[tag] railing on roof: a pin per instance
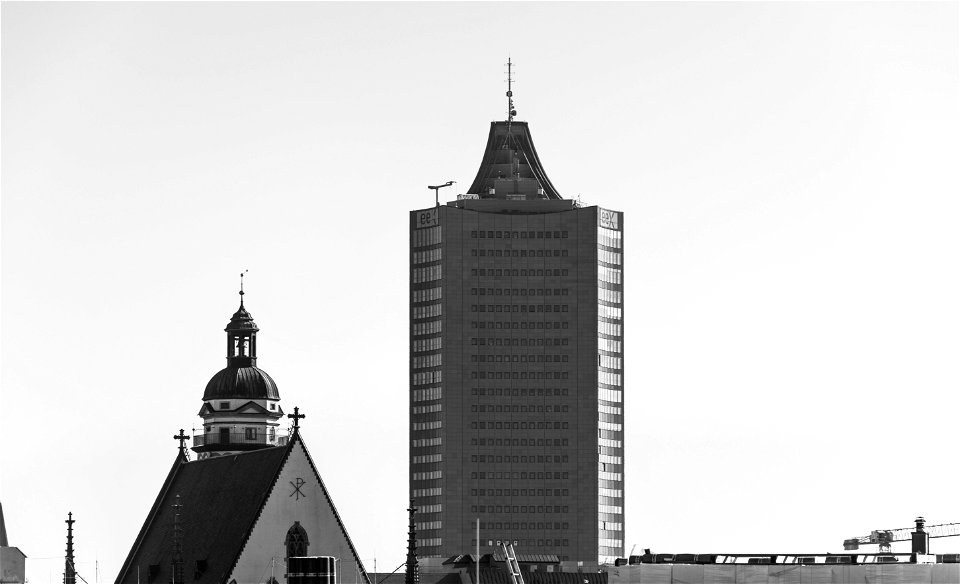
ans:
(245, 438)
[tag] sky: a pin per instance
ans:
(787, 171)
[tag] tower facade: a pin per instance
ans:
(241, 405)
(516, 364)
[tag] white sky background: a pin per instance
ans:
(788, 174)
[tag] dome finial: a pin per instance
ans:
(241, 286)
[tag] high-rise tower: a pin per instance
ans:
(516, 364)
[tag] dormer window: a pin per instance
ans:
(273, 406)
(224, 405)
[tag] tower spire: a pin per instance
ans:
(511, 112)
(412, 575)
(69, 569)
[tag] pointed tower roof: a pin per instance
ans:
(510, 165)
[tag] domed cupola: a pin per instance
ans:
(240, 409)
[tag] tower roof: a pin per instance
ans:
(241, 321)
(510, 165)
(235, 382)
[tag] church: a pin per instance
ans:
(251, 500)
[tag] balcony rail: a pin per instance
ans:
(240, 438)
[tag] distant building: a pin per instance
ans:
(252, 500)
(13, 562)
(516, 365)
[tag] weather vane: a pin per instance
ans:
(241, 285)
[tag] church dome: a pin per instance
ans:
(241, 382)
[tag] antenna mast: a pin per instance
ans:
(511, 112)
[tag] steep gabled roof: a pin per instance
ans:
(510, 154)
(221, 498)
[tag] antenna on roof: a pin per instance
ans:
(511, 112)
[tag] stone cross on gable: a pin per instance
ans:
(182, 438)
(296, 416)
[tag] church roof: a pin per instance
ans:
(235, 382)
(510, 154)
(222, 498)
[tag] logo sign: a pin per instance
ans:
(609, 219)
(428, 218)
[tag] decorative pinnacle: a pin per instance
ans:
(511, 112)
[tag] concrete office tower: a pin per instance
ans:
(516, 365)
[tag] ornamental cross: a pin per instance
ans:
(297, 416)
(182, 438)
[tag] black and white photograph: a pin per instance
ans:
(437, 292)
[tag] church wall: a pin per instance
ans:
(287, 504)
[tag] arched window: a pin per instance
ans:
(297, 541)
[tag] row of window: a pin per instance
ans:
(609, 328)
(520, 493)
(609, 257)
(520, 442)
(611, 459)
(431, 492)
(614, 410)
(427, 409)
(610, 395)
(610, 426)
(610, 237)
(424, 442)
(426, 294)
(430, 542)
(539, 459)
(519, 234)
(519, 392)
(604, 311)
(520, 342)
(519, 291)
(520, 475)
(519, 509)
(610, 345)
(427, 476)
(611, 275)
(610, 362)
(429, 344)
(431, 327)
(430, 255)
(610, 476)
(428, 525)
(519, 308)
(610, 443)
(426, 425)
(427, 361)
(427, 377)
(524, 325)
(424, 509)
(519, 409)
(425, 237)
(519, 358)
(427, 394)
(427, 274)
(519, 375)
(612, 296)
(611, 526)
(427, 458)
(525, 525)
(609, 378)
(519, 425)
(510, 272)
(615, 545)
(425, 311)
(612, 509)
(520, 253)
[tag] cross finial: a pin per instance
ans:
(182, 438)
(70, 520)
(296, 416)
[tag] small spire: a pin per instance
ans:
(241, 286)
(412, 575)
(511, 111)
(70, 570)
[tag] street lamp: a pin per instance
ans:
(436, 190)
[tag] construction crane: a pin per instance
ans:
(918, 535)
